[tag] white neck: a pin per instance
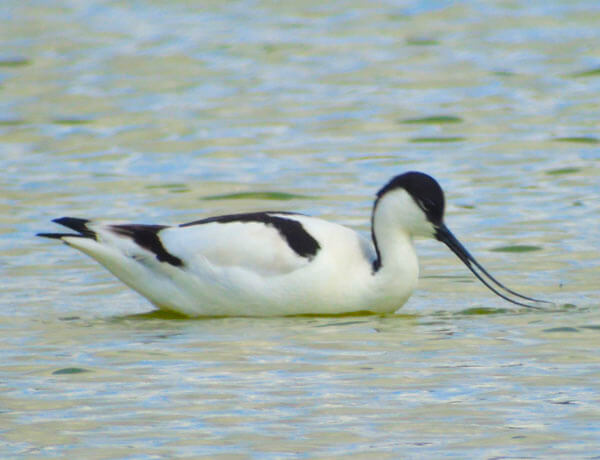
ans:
(393, 241)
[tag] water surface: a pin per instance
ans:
(163, 113)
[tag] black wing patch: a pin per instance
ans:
(146, 236)
(297, 238)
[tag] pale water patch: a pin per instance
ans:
(170, 113)
(453, 384)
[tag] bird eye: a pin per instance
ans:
(426, 204)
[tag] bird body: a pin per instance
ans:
(248, 268)
(277, 263)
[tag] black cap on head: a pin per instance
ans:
(424, 190)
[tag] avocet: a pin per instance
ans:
(281, 263)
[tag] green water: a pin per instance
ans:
(168, 112)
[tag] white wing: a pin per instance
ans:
(255, 246)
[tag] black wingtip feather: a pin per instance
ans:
(56, 236)
(74, 223)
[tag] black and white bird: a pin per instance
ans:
(281, 263)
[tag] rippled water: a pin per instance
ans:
(158, 112)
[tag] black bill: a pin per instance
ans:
(444, 235)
